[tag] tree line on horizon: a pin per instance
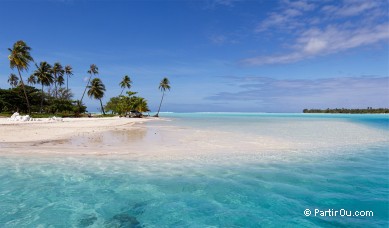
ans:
(57, 99)
(368, 110)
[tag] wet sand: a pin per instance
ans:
(159, 139)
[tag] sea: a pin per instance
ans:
(333, 172)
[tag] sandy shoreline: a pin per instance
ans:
(46, 130)
(156, 139)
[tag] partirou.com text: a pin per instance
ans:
(334, 213)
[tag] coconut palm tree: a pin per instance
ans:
(58, 73)
(13, 80)
(93, 69)
(96, 91)
(68, 72)
(141, 105)
(163, 86)
(60, 82)
(126, 82)
(31, 80)
(44, 76)
(20, 58)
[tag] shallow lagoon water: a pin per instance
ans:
(271, 192)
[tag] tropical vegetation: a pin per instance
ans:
(122, 105)
(52, 98)
(348, 111)
(20, 59)
(125, 83)
(96, 91)
(163, 86)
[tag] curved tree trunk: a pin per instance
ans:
(102, 108)
(42, 99)
(122, 92)
(85, 88)
(163, 94)
(25, 92)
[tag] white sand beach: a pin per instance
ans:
(156, 139)
(47, 130)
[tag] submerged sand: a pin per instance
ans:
(158, 139)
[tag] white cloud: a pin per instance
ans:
(351, 8)
(210, 4)
(287, 16)
(315, 30)
(315, 45)
(223, 39)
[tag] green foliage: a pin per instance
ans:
(13, 80)
(348, 111)
(78, 108)
(125, 83)
(96, 89)
(123, 104)
(20, 56)
(13, 100)
(48, 100)
(164, 84)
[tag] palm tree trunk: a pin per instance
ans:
(122, 92)
(25, 92)
(102, 108)
(163, 94)
(55, 85)
(86, 88)
(42, 99)
(67, 82)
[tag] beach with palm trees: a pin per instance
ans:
(50, 112)
(57, 100)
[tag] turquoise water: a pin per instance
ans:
(272, 192)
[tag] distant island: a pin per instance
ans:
(368, 110)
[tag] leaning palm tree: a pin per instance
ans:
(93, 69)
(68, 72)
(13, 80)
(163, 86)
(126, 82)
(96, 91)
(58, 73)
(44, 76)
(20, 58)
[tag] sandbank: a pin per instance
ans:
(159, 139)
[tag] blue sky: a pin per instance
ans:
(220, 55)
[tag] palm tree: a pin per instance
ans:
(163, 86)
(141, 104)
(58, 73)
(126, 82)
(31, 80)
(60, 82)
(44, 76)
(20, 58)
(68, 72)
(96, 91)
(13, 80)
(93, 69)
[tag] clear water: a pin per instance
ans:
(272, 192)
